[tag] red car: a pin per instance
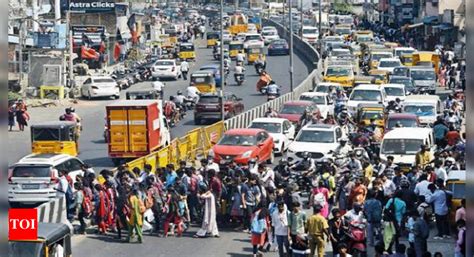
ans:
(241, 145)
(293, 110)
(407, 120)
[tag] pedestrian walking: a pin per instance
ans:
(421, 232)
(102, 209)
(209, 222)
(184, 67)
(279, 219)
(258, 229)
(318, 231)
(137, 208)
(11, 116)
(440, 198)
(373, 214)
(22, 116)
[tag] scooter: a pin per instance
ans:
(259, 68)
(239, 79)
(356, 236)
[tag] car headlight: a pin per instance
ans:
(247, 154)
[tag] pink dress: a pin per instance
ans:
(325, 192)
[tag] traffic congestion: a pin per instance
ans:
(370, 161)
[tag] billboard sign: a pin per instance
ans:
(89, 6)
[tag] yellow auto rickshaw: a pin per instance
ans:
(253, 52)
(456, 184)
(427, 58)
(407, 59)
(204, 81)
(57, 137)
(235, 47)
(381, 76)
(366, 112)
(187, 52)
(212, 38)
(52, 238)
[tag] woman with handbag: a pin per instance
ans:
(258, 227)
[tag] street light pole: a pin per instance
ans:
(301, 19)
(319, 20)
(222, 60)
(291, 46)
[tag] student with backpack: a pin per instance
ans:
(320, 196)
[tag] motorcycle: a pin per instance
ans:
(356, 235)
(259, 68)
(271, 96)
(239, 79)
(190, 103)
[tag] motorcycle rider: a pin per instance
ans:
(283, 168)
(260, 63)
(170, 109)
(344, 117)
(227, 64)
(393, 106)
(240, 58)
(330, 120)
(239, 70)
(158, 87)
(193, 92)
(305, 164)
(264, 80)
(354, 164)
(343, 149)
(273, 88)
(340, 100)
(270, 113)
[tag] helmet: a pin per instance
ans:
(68, 110)
(343, 140)
(72, 109)
(306, 155)
(325, 161)
(179, 92)
(283, 161)
(451, 160)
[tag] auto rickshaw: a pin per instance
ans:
(212, 38)
(204, 81)
(423, 58)
(366, 112)
(51, 237)
(143, 95)
(186, 51)
(381, 76)
(235, 47)
(57, 137)
(253, 52)
(456, 184)
(407, 59)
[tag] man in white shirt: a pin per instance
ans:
(240, 58)
(193, 92)
(267, 176)
(280, 225)
(440, 171)
(184, 69)
(421, 187)
(388, 186)
(62, 184)
(158, 87)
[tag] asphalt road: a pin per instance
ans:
(92, 146)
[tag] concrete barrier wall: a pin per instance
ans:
(310, 57)
(54, 212)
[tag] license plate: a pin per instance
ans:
(30, 186)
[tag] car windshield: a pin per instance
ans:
(239, 140)
(186, 48)
(364, 38)
(340, 52)
(269, 33)
(293, 109)
(104, 81)
(200, 79)
(314, 136)
(310, 31)
(378, 56)
(458, 190)
(406, 123)
(338, 72)
(31, 171)
(344, 31)
(268, 126)
(372, 115)
(394, 91)
(24, 248)
(389, 64)
(366, 95)
(407, 82)
(400, 72)
(279, 43)
(401, 146)
(423, 74)
(420, 110)
(252, 37)
(317, 99)
(209, 99)
(403, 52)
(165, 63)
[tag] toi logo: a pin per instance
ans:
(23, 224)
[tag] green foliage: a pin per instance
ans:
(12, 96)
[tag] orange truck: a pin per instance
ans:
(135, 128)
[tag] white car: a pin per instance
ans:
(394, 91)
(269, 36)
(282, 131)
(100, 86)
(310, 34)
(388, 64)
(322, 100)
(365, 94)
(253, 40)
(269, 28)
(316, 139)
(227, 37)
(34, 178)
(252, 28)
(166, 68)
(241, 37)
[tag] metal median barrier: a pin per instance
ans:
(196, 143)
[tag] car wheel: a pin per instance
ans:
(272, 158)
(116, 96)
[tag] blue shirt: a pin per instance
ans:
(373, 210)
(440, 130)
(400, 208)
(171, 178)
(438, 199)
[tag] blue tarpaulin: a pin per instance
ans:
(430, 19)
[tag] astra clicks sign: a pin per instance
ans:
(90, 6)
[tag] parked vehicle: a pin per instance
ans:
(100, 86)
